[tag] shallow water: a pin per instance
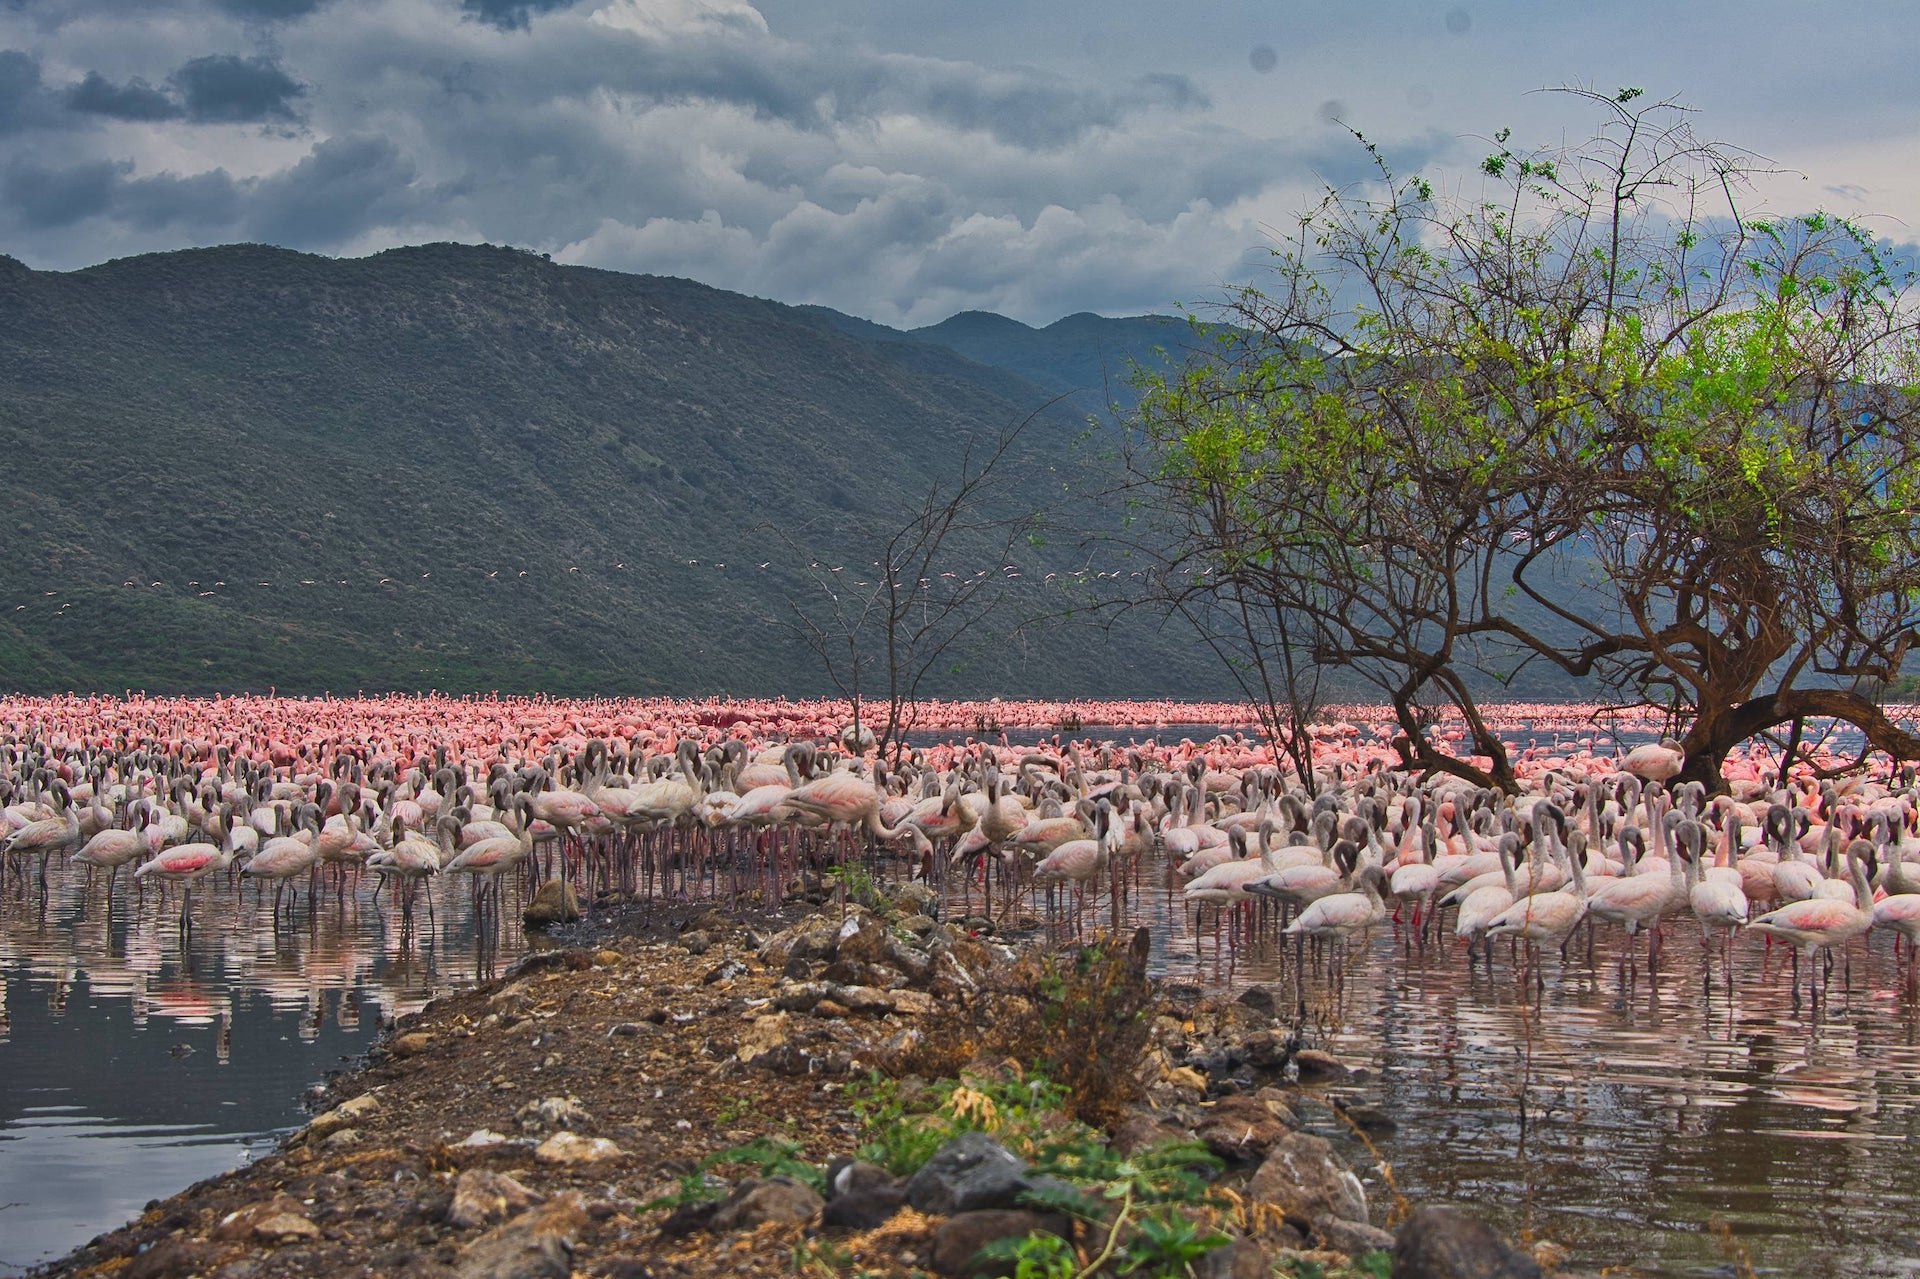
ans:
(1617, 1116)
(131, 1068)
(1620, 1115)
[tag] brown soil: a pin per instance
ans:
(635, 1035)
(638, 1033)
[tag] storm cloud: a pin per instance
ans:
(899, 162)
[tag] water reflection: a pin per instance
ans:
(132, 1065)
(1618, 1113)
(1621, 1116)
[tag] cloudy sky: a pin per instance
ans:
(898, 159)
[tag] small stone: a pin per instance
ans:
(411, 1044)
(633, 1029)
(754, 1203)
(725, 972)
(972, 1171)
(552, 1112)
(571, 1148)
(481, 1138)
(344, 1115)
(1143, 1132)
(284, 1227)
(607, 958)
(243, 1224)
(956, 1244)
(1306, 1182)
(1187, 1079)
(913, 1003)
(1314, 1064)
(764, 1035)
(555, 903)
(537, 1244)
(1240, 1129)
(1446, 1243)
(828, 1008)
(696, 942)
(344, 1138)
(860, 1195)
(482, 1197)
(1354, 1238)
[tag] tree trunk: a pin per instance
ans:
(1715, 733)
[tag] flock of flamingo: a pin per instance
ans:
(728, 798)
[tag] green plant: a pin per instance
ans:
(1038, 1256)
(693, 1188)
(769, 1157)
(904, 1129)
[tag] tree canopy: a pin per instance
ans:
(1595, 412)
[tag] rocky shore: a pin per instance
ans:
(861, 1090)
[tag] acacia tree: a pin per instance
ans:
(1601, 417)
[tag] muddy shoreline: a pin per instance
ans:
(575, 1116)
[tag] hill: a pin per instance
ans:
(1088, 358)
(469, 468)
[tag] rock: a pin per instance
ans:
(918, 925)
(411, 1044)
(1368, 1118)
(863, 940)
(1314, 1064)
(754, 1203)
(724, 972)
(1267, 1050)
(555, 903)
(285, 1227)
(956, 1244)
(861, 1195)
(1259, 999)
(633, 1029)
(607, 958)
(914, 1003)
(1445, 1243)
(571, 1148)
(971, 1172)
(244, 1224)
(862, 999)
(537, 1244)
(1306, 1182)
(482, 1197)
(764, 1035)
(170, 1257)
(344, 1115)
(696, 942)
(344, 1138)
(1240, 1129)
(831, 1008)
(1141, 1131)
(552, 1112)
(913, 899)
(1354, 1238)
(799, 997)
(481, 1138)
(1241, 1259)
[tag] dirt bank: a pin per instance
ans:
(661, 1100)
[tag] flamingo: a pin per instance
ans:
(184, 864)
(1821, 923)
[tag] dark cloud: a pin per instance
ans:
(270, 10)
(343, 187)
(24, 101)
(206, 203)
(224, 89)
(43, 197)
(510, 15)
(134, 100)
